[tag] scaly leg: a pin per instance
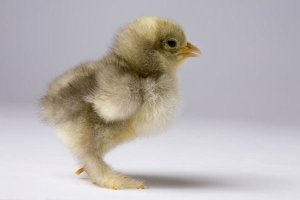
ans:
(101, 174)
(82, 141)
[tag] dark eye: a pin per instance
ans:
(172, 43)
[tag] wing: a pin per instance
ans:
(117, 94)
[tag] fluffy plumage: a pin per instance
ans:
(131, 91)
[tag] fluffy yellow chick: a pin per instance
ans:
(130, 92)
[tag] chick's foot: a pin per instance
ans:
(117, 181)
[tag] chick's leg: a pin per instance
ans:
(101, 174)
(89, 147)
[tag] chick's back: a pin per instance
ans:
(102, 91)
(64, 99)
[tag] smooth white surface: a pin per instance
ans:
(194, 159)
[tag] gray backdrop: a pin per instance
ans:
(249, 69)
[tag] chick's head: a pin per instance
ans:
(152, 44)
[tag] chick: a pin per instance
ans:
(130, 92)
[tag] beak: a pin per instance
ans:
(190, 51)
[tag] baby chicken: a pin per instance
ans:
(130, 92)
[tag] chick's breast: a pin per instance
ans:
(161, 103)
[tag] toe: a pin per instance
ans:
(114, 187)
(142, 186)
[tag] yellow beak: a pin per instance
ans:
(189, 51)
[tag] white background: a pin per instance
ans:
(237, 138)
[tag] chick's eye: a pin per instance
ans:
(172, 43)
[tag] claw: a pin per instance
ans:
(79, 171)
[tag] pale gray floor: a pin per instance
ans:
(194, 159)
